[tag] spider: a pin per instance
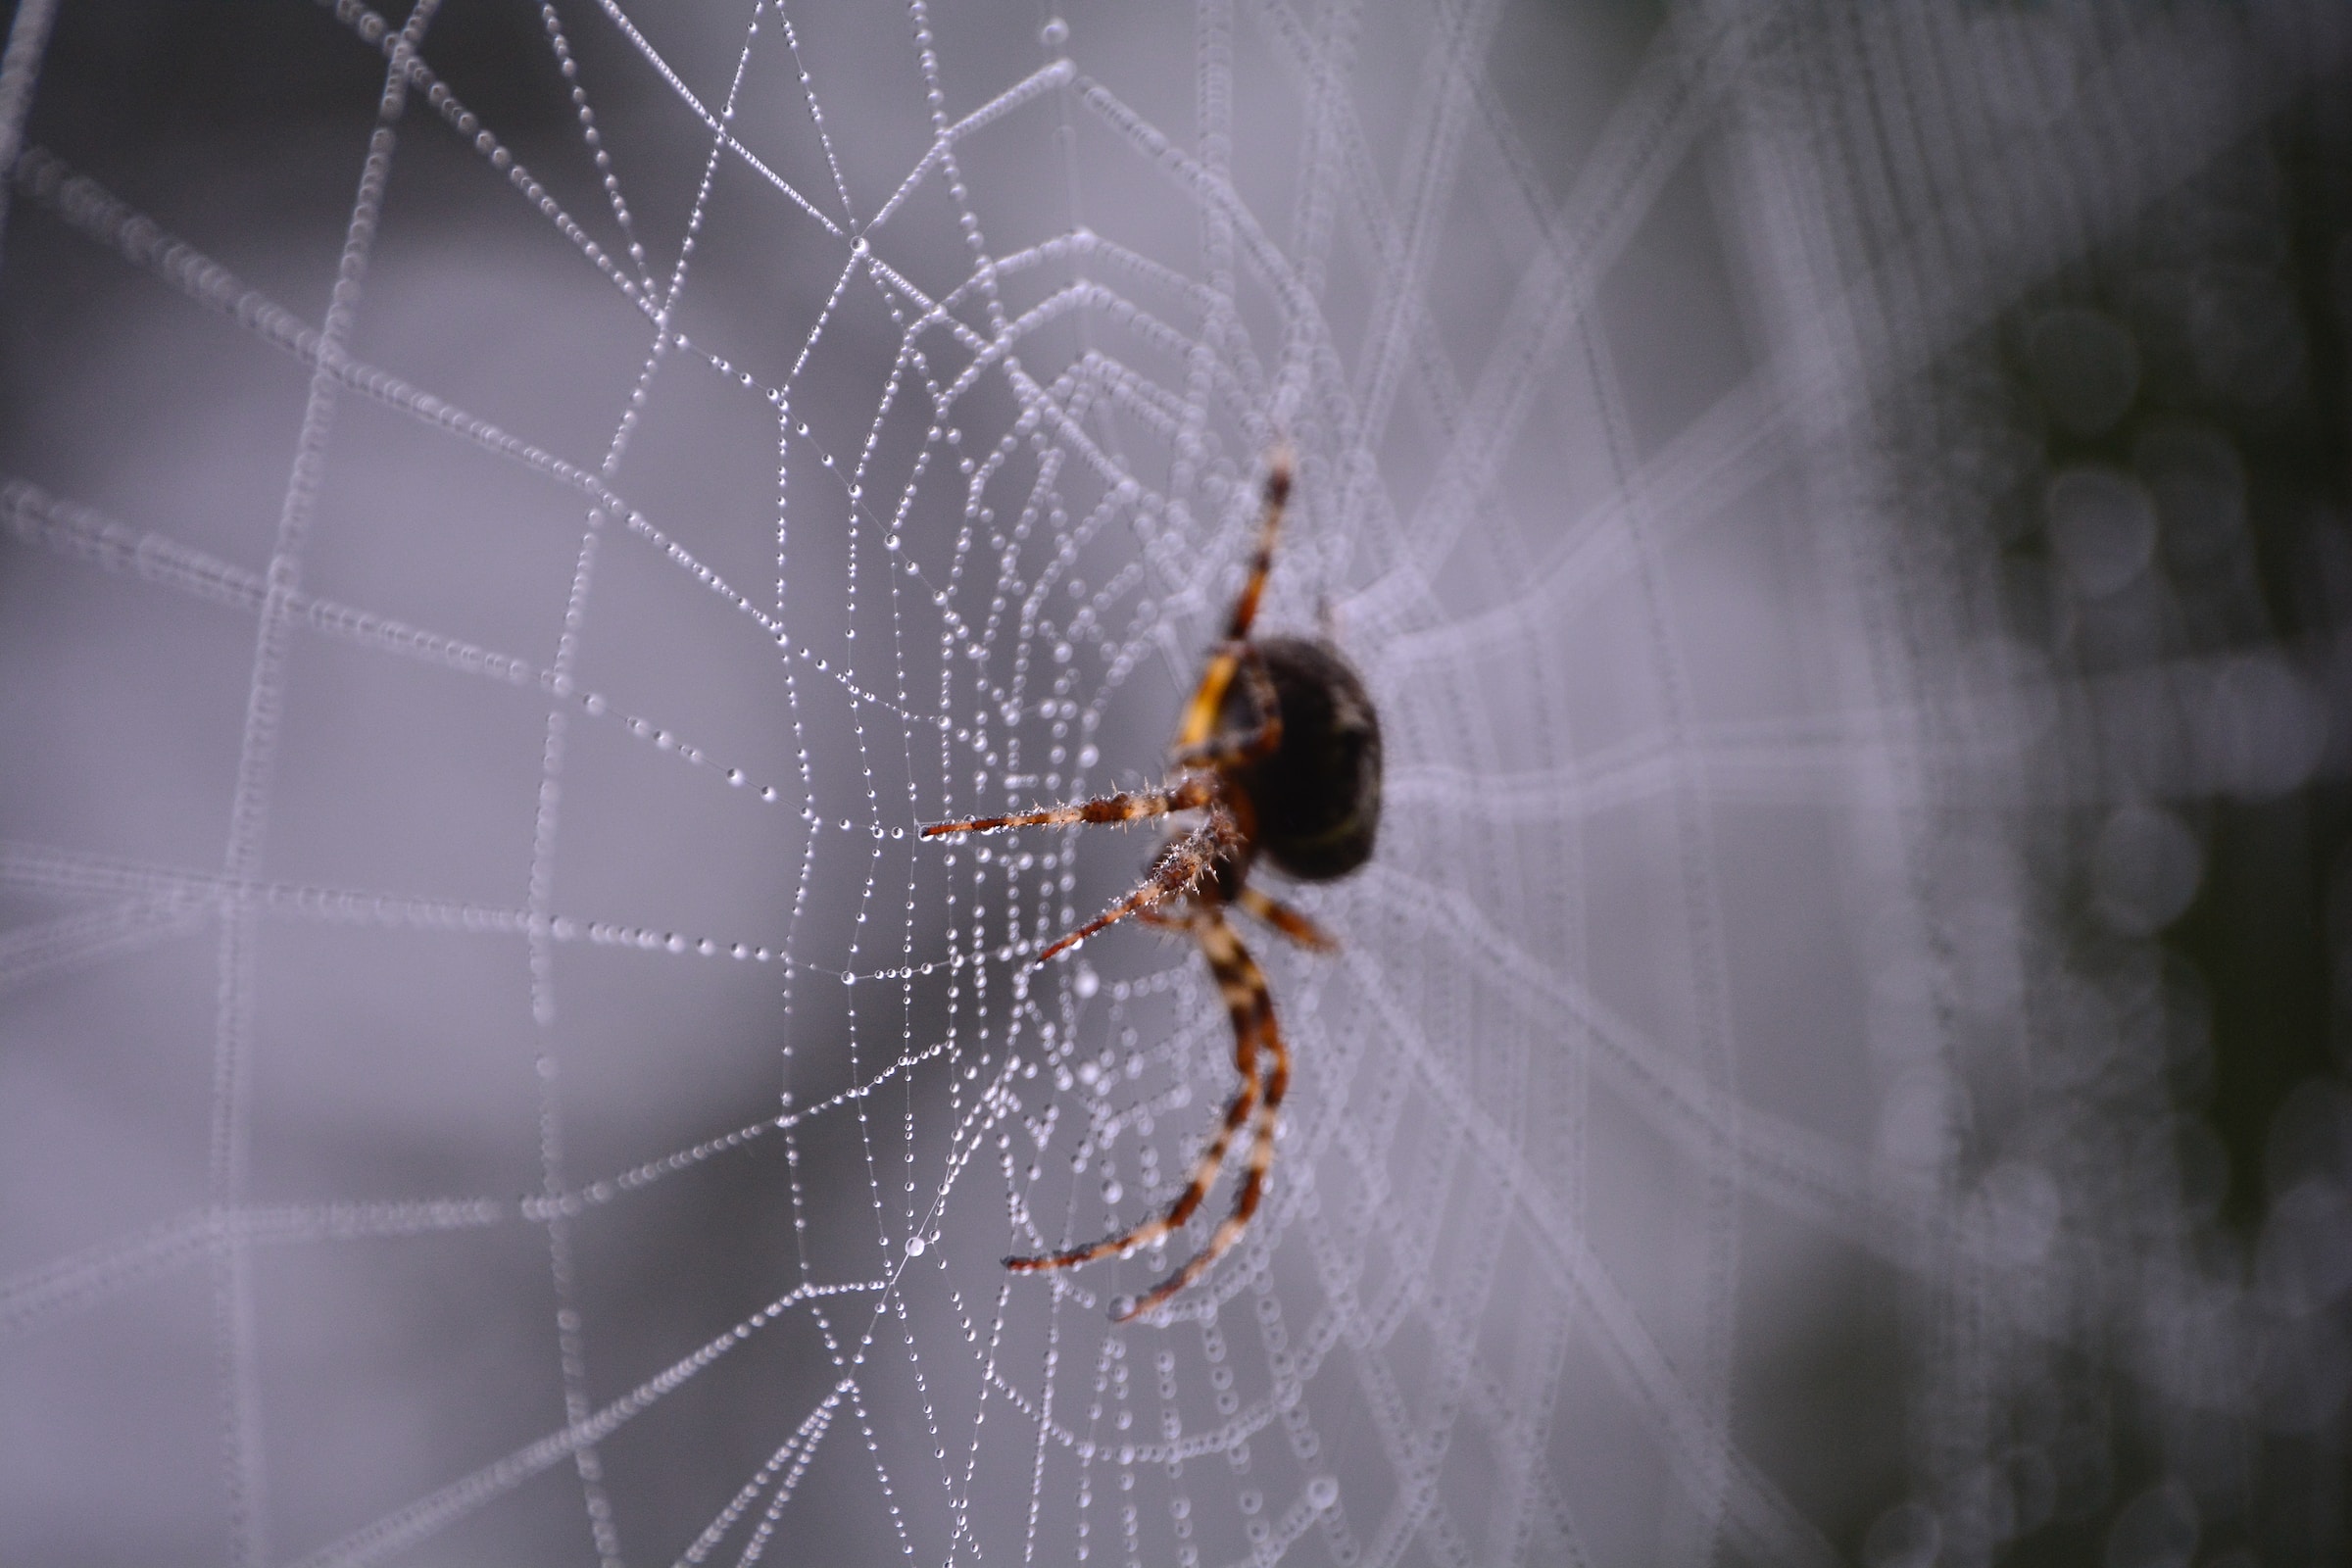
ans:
(1279, 754)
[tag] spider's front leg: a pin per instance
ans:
(1176, 870)
(1200, 714)
(1261, 565)
(1259, 741)
(1130, 807)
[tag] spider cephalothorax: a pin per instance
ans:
(1279, 754)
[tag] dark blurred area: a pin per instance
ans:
(2203, 359)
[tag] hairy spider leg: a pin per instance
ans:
(1130, 807)
(1182, 865)
(1289, 921)
(1246, 998)
(1201, 719)
(1247, 1005)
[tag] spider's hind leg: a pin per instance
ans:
(1289, 921)
(1245, 1102)
(1253, 1007)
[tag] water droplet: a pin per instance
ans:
(2259, 729)
(2144, 869)
(2102, 527)
(2199, 487)
(2022, 1212)
(2305, 1260)
(1054, 33)
(914, 1247)
(1905, 1536)
(2158, 1528)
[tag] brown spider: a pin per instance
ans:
(1279, 751)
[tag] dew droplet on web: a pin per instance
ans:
(2146, 866)
(2199, 487)
(2022, 1212)
(2158, 1528)
(1906, 1536)
(2102, 527)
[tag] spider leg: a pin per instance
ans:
(1289, 921)
(1247, 997)
(1278, 495)
(1130, 807)
(1200, 718)
(1175, 871)
(1258, 743)
(1244, 1005)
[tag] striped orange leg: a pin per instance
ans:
(1201, 717)
(1236, 751)
(1182, 796)
(1277, 496)
(1289, 921)
(1244, 1005)
(1247, 997)
(1180, 867)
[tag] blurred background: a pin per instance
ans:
(512, 515)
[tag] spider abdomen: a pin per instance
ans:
(1318, 795)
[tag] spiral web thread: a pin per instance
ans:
(1494, 1309)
